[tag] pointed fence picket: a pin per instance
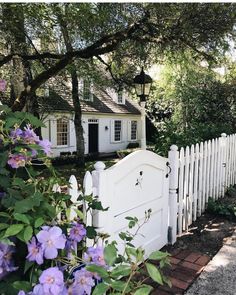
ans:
(205, 171)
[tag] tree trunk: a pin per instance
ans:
(79, 132)
(22, 74)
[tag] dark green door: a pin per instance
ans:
(93, 138)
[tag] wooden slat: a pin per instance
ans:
(208, 171)
(181, 191)
(186, 189)
(204, 177)
(191, 172)
(199, 211)
(195, 180)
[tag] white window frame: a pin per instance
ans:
(89, 89)
(68, 132)
(136, 137)
(114, 131)
(120, 94)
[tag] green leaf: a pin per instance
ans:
(158, 255)
(110, 254)
(21, 217)
(144, 290)
(154, 273)
(7, 242)
(91, 232)
(28, 265)
(131, 252)
(3, 226)
(3, 159)
(98, 269)
(28, 232)
(100, 289)
(121, 271)
(22, 285)
(120, 286)
(34, 120)
(13, 230)
(38, 222)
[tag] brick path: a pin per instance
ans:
(185, 268)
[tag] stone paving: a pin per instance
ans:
(185, 268)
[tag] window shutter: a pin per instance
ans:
(112, 131)
(129, 130)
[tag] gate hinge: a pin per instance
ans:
(168, 165)
(169, 235)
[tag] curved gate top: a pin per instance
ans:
(129, 188)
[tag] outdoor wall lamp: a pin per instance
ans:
(142, 83)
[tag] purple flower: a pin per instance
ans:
(21, 293)
(51, 281)
(83, 282)
(95, 255)
(51, 239)
(46, 146)
(35, 251)
(77, 232)
(30, 136)
(16, 134)
(33, 153)
(17, 160)
(6, 262)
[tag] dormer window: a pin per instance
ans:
(120, 97)
(85, 89)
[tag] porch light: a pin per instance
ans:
(142, 83)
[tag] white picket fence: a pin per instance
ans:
(195, 174)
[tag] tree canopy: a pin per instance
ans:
(128, 33)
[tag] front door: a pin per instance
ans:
(92, 138)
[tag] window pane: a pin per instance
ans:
(120, 96)
(117, 130)
(62, 132)
(133, 130)
(86, 91)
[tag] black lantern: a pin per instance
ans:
(142, 83)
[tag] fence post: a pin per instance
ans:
(223, 141)
(74, 194)
(173, 192)
(99, 167)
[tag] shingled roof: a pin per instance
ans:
(101, 103)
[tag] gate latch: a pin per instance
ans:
(168, 165)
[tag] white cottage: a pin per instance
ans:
(110, 120)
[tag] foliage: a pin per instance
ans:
(191, 103)
(42, 251)
(217, 207)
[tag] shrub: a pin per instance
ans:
(42, 251)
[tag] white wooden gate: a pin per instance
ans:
(134, 185)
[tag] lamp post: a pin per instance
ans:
(142, 83)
